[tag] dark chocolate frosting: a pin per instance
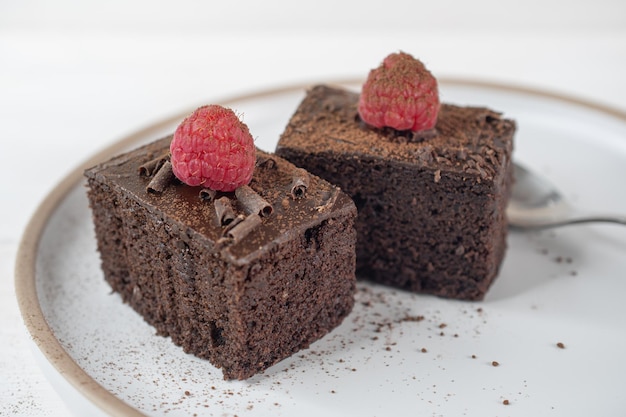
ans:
(273, 182)
(465, 139)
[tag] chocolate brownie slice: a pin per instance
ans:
(431, 207)
(243, 279)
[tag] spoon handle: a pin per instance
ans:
(571, 220)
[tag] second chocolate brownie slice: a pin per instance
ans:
(431, 205)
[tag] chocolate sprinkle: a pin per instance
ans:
(224, 211)
(300, 183)
(162, 178)
(252, 202)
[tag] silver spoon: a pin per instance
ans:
(537, 204)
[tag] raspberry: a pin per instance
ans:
(213, 148)
(401, 93)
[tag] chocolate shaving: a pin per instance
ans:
(329, 202)
(266, 163)
(399, 136)
(240, 230)
(252, 202)
(300, 183)
(153, 166)
(207, 194)
(407, 136)
(162, 178)
(243, 228)
(224, 211)
(234, 222)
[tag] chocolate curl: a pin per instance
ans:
(243, 228)
(224, 211)
(240, 230)
(252, 202)
(330, 202)
(207, 194)
(300, 183)
(162, 178)
(234, 222)
(266, 163)
(153, 166)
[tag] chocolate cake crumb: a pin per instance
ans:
(560, 345)
(506, 402)
(495, 363)
(413, 318)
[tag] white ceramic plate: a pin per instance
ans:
(564, 286)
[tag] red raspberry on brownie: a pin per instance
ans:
(213, 148)
(401, 94)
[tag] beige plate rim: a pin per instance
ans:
(25, 266)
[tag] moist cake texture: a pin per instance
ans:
(431, 204)
(243, 297)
